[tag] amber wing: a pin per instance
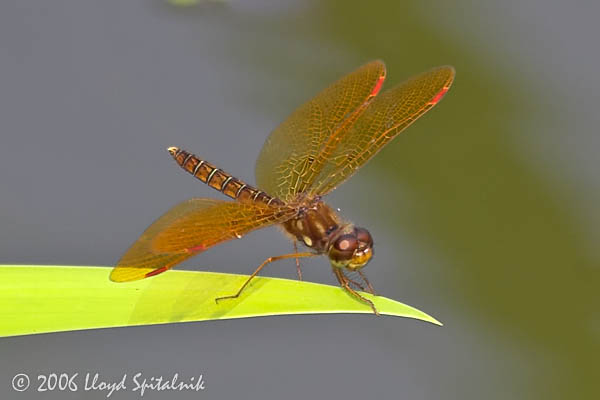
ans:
(190, 228)
(385, 117)
(287, 163)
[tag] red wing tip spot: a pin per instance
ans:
(156, 272)
(439, 95)
(196, 248)
(377, 86)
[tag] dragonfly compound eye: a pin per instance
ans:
(364, 237)
(342, 250)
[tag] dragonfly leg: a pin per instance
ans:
(298, 269)
(357, 284)
(261, 266)
(363, 276)
(345, 283)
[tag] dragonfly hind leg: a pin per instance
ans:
(261, 266)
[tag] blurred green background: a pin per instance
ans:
(484, 212)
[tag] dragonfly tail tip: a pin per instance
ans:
(172, 150)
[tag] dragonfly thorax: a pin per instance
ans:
(314, 226)
(320, 228)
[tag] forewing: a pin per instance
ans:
(285, 164)
(190, 228)
(385, 117)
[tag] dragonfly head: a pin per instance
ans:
(351, 249)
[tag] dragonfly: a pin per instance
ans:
(318, 147)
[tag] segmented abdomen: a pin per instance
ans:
(219, 179)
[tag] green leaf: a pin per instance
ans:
(41, 299)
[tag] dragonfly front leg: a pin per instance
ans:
(345, 283)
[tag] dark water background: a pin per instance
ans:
(484, 212)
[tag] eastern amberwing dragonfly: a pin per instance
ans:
(318, 147)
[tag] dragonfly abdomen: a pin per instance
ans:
(219, 179)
